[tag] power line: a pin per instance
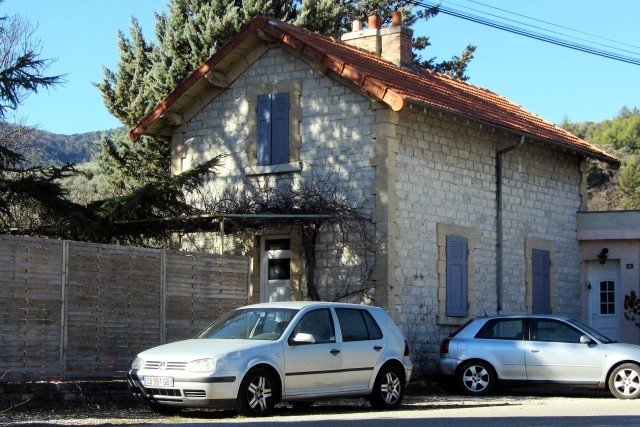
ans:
(527, 33)
(556, 25)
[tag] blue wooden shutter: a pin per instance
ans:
(457, 276)
(541, 286)
(280, 129)
(263, 148)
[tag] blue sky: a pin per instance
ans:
(550, 81)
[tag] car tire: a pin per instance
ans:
(258, 393)
(476, 378)
(624, 381)
(388, 389)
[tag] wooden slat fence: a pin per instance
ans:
(80, 311)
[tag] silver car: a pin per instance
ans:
(261, 354)
(538, 348)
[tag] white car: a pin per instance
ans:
(259, 355)
(538, 349)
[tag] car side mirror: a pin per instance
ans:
(584, 339)
(302, 338)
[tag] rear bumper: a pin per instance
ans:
(447, 366)
(408, 369)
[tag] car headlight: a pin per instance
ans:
(202, 365)
(137, 363)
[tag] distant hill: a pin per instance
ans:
(60, 149)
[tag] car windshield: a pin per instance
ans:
(598, 335)
(250, 324)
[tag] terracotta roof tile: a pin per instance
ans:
(394, 86)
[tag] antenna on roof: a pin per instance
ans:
(481, 306)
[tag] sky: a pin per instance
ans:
(551, 81)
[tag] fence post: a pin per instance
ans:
(64, 274)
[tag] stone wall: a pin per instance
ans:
(335, 124)
(447, 178)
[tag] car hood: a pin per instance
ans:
(187, 350)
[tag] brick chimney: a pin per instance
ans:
(392, 43)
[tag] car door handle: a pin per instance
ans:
(377, 347)
(334, 351)
(535, 350)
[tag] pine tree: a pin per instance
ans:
(32, 199)
(125, 91)
(29, 194)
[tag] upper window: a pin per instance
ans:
(357, 325)
(272, 129)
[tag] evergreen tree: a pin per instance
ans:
(21, 68)
(32, 199)
(629, 182)
(622, 133)
(620, 136)
(125, 90)
(29, 194)
(323, 16)
(128, 165)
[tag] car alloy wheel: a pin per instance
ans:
(476, 378)
(624, 382)
(388, 389)
(257, 394)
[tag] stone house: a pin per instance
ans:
(474, 198)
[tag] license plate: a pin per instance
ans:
(158, 381)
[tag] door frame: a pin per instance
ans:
(265, 256)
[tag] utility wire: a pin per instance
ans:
(523, 32)
(555, 25)
(547, 29)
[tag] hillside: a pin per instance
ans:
(56, 149)
(76, 148)
(61, 149)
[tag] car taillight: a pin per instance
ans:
(406, 348)
(444, 346)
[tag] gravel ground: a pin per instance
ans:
(104, 415)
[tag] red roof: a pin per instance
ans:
(383, 80)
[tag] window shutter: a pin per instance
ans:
(280, 129)
(263, 148)
(457, 276)
(541, 286)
